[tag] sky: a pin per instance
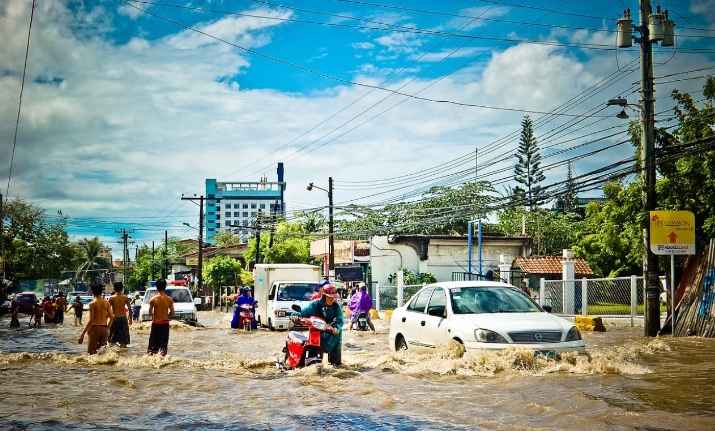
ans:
(128, 105)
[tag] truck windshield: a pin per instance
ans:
(296, 291)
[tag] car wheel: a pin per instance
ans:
(400, 343)
(270, 325)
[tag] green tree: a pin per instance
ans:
(611, 238)
(222, 271)
(290, 245)
(226, 238)
(35, 246)
(570, 197)
(528, 170)
(551, 233)
(89, 260)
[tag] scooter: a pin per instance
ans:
(245, 317)
(303, 350)
(362, 322)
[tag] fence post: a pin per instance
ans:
(542, 291)
(377, 297)
(634, 298)
(584, 297)
(400, 287)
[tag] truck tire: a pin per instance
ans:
(270, 325)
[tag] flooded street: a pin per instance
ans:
(218, 378)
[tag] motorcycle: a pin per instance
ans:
(362, 321)
(245, 317)
(303, 350)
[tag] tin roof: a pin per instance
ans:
(550, 265)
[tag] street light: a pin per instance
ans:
(331, 253)
(650, 260)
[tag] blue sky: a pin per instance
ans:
(127, 105)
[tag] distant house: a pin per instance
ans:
(533, 268)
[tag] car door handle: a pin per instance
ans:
(422, 323)
(403, 319)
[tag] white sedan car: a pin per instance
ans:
(480, 315)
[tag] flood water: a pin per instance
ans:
(216, 378)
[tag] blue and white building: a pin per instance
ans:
(235, 205)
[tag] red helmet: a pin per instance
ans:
(331, 291)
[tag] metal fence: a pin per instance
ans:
(391, 297)
(621, 296)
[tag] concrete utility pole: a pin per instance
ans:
(331, 231)
(2, 247)
(199, 270)
(652, 301)
(258, 238)
(125, 255)
(653, 28)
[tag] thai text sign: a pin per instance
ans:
(672, 232)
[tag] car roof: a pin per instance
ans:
(472, 283)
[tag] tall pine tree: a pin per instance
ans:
(527, 170)
(569, 198)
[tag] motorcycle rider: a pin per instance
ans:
(244, 298)
(360, 302)
(136, 306)
(327, 308)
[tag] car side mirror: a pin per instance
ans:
(197, 301)
(546, 308)
(296, 307)
(436, 311)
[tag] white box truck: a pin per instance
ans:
(277, 286)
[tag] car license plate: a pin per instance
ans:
(547, 353)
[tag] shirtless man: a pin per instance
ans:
(119, 331)
(60, 307)
(100, 319)
(161, 307)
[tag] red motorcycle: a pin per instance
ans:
(245, 317)
(302, 350)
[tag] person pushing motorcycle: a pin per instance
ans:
(327, 308)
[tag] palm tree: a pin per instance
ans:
(88, 257)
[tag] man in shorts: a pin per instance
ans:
(161, 308)
(119, 331)
(100, 319)
(78, 307)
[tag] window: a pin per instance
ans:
(228, 214)
(245, 223)
(245, 213)
(419, 302)
(253, 214)
(227, 223)
(253, 206)
(263, 206)
(236, 206)
(245, 206)
(236, 214)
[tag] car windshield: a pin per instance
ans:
(86, 299)
(178, 295)
(296, 291)
(476, 300)
(25, 299)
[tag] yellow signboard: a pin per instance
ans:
(672, 232)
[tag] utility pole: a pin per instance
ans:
(654, 28)
(2, 248)
(152, 261)
(258, 238)
(125, 249)
(652, 300)
(274, 219)
(199, 270)
(331, 238)
(165, 268)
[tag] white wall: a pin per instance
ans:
(444, 257)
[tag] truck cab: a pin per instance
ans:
(281, 298)
(276, 287)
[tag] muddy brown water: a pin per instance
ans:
(217, 378)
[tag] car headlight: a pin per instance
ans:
(487, 336)
(573, 334)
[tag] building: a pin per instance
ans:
(236, 206)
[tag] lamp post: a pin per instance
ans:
(331, 253)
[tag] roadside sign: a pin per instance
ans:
(672, 232)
